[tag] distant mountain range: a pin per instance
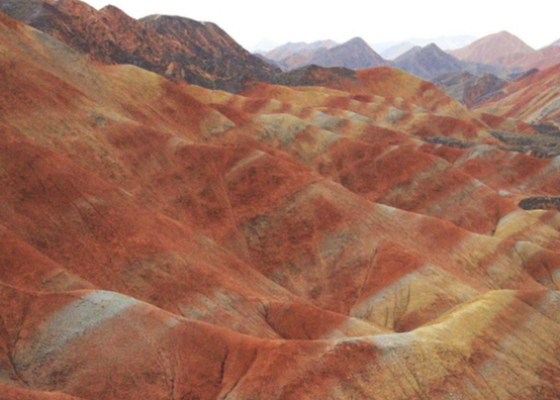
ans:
(483, 70)
(430, 62)
(426, 62)
(203, 54)
(492, 49)
(497, 54)
(443, 42)
(353, 54)
(508, 50)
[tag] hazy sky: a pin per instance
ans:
(250, 21)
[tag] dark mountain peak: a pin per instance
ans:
(432, 47)
(356, 44)
(431, 61)
(425, 55)
(353, 54)
(114, 16)
(204, 38)
(161, 19)
(357, 41)
(74, 7)
(112, 10)
(180, 48)
(433, 50)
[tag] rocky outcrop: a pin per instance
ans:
(540, 203)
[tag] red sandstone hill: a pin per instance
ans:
(358, 239)
(533, 99)
(181, 48)
(492, 49)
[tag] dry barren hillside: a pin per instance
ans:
(354, 236)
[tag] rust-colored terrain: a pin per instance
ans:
(534, 99)
(180, 48)
(356, 235)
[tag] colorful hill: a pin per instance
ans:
(533, 99)
(355, 235)
(180, 48)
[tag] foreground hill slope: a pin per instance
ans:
(356, 239)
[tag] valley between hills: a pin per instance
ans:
(181, 219)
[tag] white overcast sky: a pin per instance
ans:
(250, 21)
